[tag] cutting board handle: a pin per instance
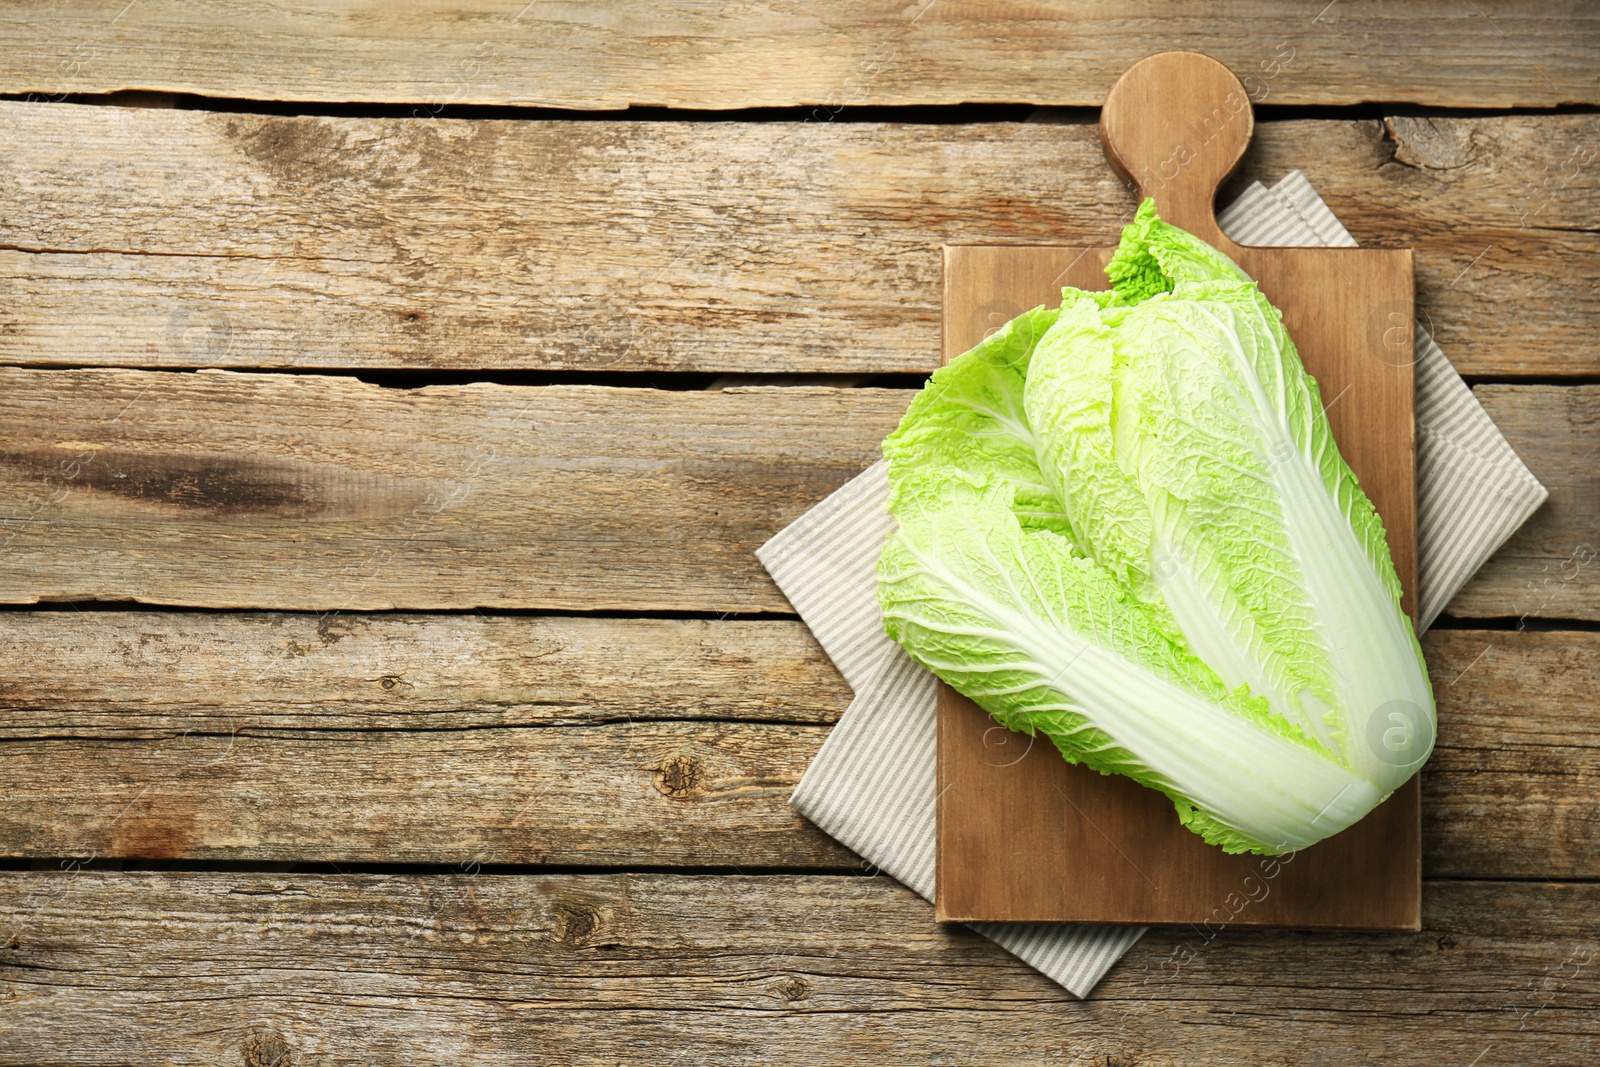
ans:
(1176, 124)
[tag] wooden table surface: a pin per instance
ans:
(388, 418)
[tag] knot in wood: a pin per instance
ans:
(575, 921)
(681, 777)
(265, 1047)
(1428, 143)
(791, 987)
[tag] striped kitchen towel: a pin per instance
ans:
(873, 784)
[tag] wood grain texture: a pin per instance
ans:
(145, 237)
(1025, 837)
(1176, 124)
(785, 53)
(412, 738)
(1550, 568)
(649, 742)
(1518, 702)
(418, 738)
(671, 794)
(307, 492)
(151, 674)
(222, 968)
(225, 490)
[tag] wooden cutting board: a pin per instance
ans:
(1022, 835)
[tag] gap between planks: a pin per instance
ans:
(827, 55)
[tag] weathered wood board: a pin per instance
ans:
(225, 490)
(665, 794)
(90, 673)
(320, 493)
(416, 738)
(676, 246)
(832, 54)
(1550, 568)
(181, 968)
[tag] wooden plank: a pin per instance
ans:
(140, 237)
(807, 970)
(307, 492)
(218, 489)
(781, 54)
(93, 673)
(672, 794)
(1550, 568)
(416, 738)
(651, 742)
(419, 738)
(1517, 764)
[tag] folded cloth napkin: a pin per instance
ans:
(873, 784)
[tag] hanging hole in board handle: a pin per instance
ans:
(1176, 124)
